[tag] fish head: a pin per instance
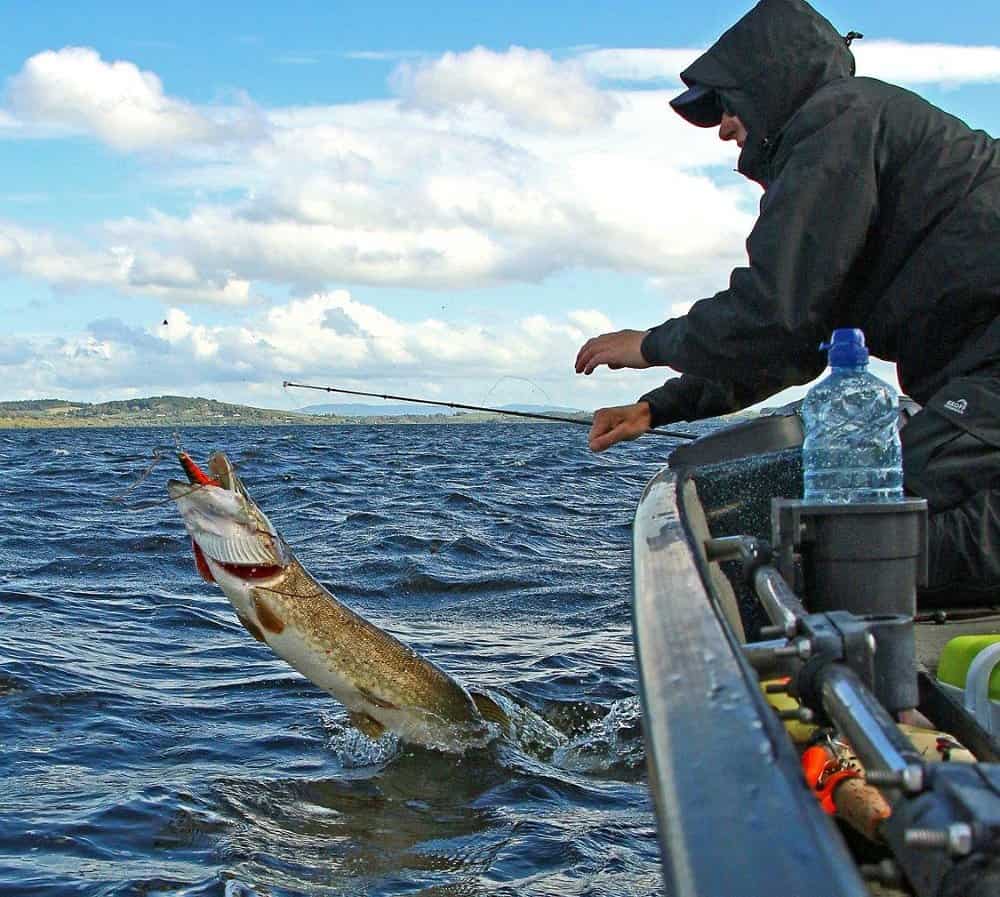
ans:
(235, 545)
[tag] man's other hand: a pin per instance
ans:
(621, 349)
(618, 424)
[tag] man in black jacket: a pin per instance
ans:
(880, 211)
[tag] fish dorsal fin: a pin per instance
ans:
(371, 728)
(491, 711)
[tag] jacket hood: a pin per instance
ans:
(766, 66)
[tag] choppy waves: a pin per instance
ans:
(150, 746)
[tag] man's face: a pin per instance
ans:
(732, 129)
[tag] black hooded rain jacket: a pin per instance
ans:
(880, 211)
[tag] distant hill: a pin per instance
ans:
(184, 411)
(40, 405)
(155, 411)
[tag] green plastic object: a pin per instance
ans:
(958, 654)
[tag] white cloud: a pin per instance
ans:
(540, 173)
(117, 102)
(890, 60)
(639, 64)
(491, 169)
(376, 194)
(330, 338)
(947, 65)
(385, 55)
(326, 337)
(590, 322)
(527, 87)
(71, 265)
(525, 170)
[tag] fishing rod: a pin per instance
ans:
(377, 395)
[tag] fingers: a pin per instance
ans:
(604, 423)
(622, 432)
(594, 359)
(585, 362)
(620, 424)
(621, 349)
(603, 349)
(602, 443)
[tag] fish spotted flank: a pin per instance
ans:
(383, 683)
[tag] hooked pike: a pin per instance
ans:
(384, 684)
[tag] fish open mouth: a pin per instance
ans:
(228, 531)
(220, 474)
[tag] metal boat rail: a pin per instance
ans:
(734, 814)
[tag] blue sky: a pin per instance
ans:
(441, 200)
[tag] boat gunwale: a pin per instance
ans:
(711, 738)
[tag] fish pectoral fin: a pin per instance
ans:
(267, 616)
(373, 698)
(369, 727)
(491, 711)
(252, 628)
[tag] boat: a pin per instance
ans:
(800, 736)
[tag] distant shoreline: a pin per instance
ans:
(304, 420)
(166, 412)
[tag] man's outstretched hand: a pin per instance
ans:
(618, 424)
(621, 349)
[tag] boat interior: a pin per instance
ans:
(751, 667)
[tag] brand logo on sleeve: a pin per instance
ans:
(959, 406)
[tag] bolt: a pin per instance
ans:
(909, 779)
(789, 630)
(926, 838)
(960, 839)
(802, 648)
(957, 838)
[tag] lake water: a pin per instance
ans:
(149, 746)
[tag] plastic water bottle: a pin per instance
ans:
(851, 451)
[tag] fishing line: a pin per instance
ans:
(284, 594)
(160, 453)
(158, 456)
(528, 414)
(289, 399)
(489, 392)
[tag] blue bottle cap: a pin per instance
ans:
(847, 348)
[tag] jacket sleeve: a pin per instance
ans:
(694, 398)
(764, 331)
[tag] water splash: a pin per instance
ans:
(529, 731)
(610, 744)
(356, 750)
